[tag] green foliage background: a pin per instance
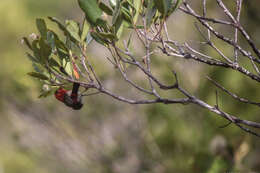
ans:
(41, 135)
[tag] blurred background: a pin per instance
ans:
(107, 136)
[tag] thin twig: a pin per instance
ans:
(232, 94)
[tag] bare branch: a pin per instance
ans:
(220, 36)
(149, 37)
(232, 94)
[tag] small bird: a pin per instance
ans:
(70, 98)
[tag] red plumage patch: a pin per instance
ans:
(60, 94)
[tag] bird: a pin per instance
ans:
(70, 98)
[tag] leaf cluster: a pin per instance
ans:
(54, 56)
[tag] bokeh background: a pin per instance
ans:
(106, 136)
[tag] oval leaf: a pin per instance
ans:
(45, 94)
(109, 36)
(161, 6)
(137, 6)
(32, 58)
(174, 7)
(84, 31)
(45, 49)
(63, 28)
(42, 28)
(27, 43)
(105, 8)
(91, 10)
(150, 13)
(73, 28)
(98, 39)
(38, 75)
(116, 12)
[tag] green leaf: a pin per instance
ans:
(98, 39)
(88, 39)
(32, 58)
(136, 27)
(62, 54)
(161, 5)
(118, 27)
(91, 10)
(126, 15)
(116, 12)
(166, 7)
(129, 4)
(36, 50)
(64, 29)
(109, 36)
(45, 94)
(73, 29)
(132, 9)
(168, 4)
(137, 6)
(60, 25)
(150, 13)
(129, 41)
(37, 67)
(84, 31)
(62, 70)
(105, 8)
(174, 7)
(42, 28)
(53, 62)
(45, 49)
(61, 49)
(103, 24)
(27, 43)
(46, 91)
(51, 39)
(38, 75)
(59, 44)
(68, 68)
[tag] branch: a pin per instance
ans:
(243, 100)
